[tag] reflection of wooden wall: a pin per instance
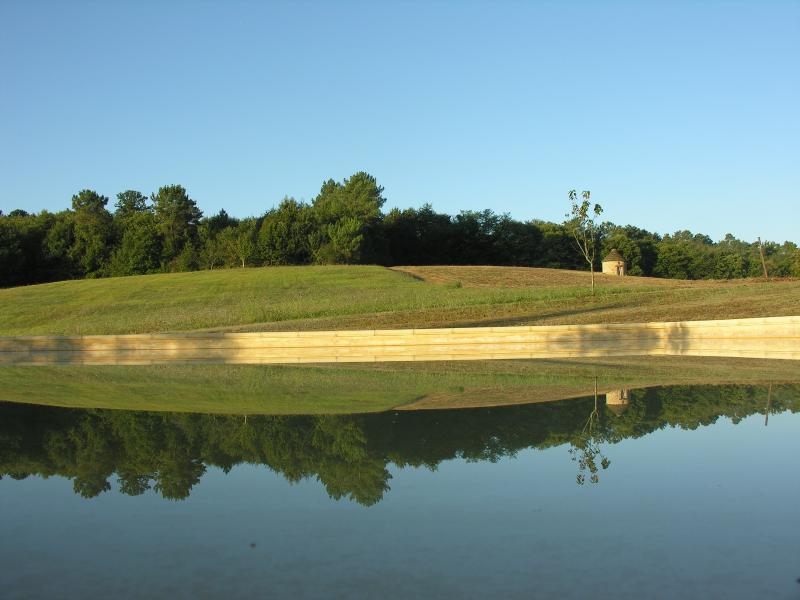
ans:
(774, 337)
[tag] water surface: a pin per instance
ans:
(676, 491)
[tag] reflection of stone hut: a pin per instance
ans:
(614, 264)
(617, 400)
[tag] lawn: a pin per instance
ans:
(356, 297)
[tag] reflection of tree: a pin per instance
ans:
(177, 475)
(133, 484)
(349, 455)
(94, 457)
(585, 449)
(769, 405)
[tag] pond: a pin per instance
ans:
(681, 491)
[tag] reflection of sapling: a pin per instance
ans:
(585, 449)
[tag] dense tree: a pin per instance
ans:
(638, 247)
(339, 242)
(683, 256)
(139, 250)
(418, 237)
(345, 224)
(177, 217)
(515, 243)
(212, 250)
(238, 242)
(187, 260)
(130, 203)
(56, 245)
(216, 223)
(11, 255)
(359, 197)
(93, 232)
(473, 237)
(285, 234)
(348, 215)
(557, 249)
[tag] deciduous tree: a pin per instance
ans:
(93, 232)
(177, 217)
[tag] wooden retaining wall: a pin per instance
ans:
(774, 337)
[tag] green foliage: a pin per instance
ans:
(558, 249)
(177, 217)
(285, 234)
(213, 250)
(139, 251)
(345, 225)
(418, 237)
(638, 247)
(358, 197)
(515, 243)
(216, 223)
(10, 250)
(187, 260)
(238, 242)
(58, 240)
(338, 242)
(347, 215)
(93, 232)
(130, 203)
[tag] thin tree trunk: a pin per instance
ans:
(591, 268)
(763, 262)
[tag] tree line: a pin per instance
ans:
(349, 455)
(344, 224)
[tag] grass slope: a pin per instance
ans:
(335, 389)
(355, 297)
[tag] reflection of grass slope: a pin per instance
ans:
(355, 297)
(363, 388)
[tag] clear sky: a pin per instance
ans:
(675, 115)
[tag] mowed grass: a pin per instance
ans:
(356, 297)
(339, 389)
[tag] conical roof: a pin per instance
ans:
(614, 256)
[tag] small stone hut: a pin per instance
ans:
(614, 264)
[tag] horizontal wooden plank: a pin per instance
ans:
(772, 337)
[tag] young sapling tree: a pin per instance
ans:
(582, 224)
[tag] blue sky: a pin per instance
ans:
(675, 115)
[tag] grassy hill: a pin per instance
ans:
(353, 297)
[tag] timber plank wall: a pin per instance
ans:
(773, 337)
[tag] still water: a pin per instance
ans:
(670, 492)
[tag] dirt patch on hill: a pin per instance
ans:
(483, 276)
